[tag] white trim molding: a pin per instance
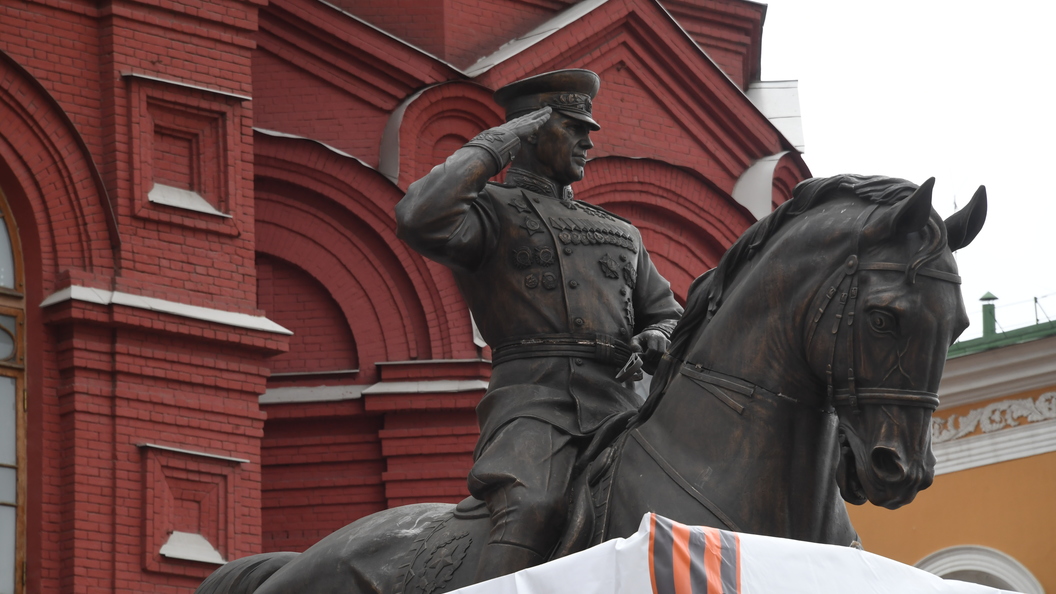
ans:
(205, 314)
(163, 448)
(302, 394)
(427, 387)
(998, 372)
(975, 558)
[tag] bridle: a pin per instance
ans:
(844, 282)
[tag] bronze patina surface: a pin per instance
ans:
(804, 371)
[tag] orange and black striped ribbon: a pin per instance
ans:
(693, 559)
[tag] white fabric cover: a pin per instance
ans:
(665, 557)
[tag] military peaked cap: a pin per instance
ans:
(567, 91)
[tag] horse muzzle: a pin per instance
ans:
(887, 474)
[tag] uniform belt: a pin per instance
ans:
(598, 347)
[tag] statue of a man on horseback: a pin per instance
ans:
(803, 374)
(563, 291)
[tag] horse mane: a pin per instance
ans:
(707, 293)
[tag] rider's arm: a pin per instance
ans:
(444, 215)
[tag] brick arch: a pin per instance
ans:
(322, 340)
(686, 223)
(431, 124)
(51, 180)
(333, 217)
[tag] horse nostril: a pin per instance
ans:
(887, 465)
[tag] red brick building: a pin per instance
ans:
(211, 341)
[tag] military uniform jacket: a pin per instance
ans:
(528, 263)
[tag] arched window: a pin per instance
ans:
(12, 406)
(981, 565)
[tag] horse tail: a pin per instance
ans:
(245, 575)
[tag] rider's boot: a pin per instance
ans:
(498, 559)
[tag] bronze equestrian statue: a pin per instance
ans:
(805, 369)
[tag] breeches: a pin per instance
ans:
(523, 475)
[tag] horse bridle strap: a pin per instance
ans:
(887, 396)
(929, 272)
(844, 281)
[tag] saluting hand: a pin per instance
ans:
(527, 124)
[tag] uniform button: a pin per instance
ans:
(624, 332)
(568, 251)
(623, 291)
(573, 284)
(578, 321)
(579, 361)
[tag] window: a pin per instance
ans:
(12, 407)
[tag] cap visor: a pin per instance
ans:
(581, 117)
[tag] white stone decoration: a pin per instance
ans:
(994, 417)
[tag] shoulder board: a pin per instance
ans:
(501, 185)
(590, 206)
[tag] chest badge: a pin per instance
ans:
(609, 267)
(519, 205)
(532, 226)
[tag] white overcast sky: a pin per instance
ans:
(957, 90)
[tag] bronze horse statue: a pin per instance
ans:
(805, 368)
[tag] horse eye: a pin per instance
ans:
(882, 321)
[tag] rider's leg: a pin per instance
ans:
(523, 475)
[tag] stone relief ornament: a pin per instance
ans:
(994, 417)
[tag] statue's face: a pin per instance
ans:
(561, 148)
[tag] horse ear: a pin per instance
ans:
(964, 225)
(904, 218)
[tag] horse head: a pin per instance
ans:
(878, 335)
(842, 303)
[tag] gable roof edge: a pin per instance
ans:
(391, 36)
(517, 45)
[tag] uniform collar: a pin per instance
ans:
(522, 178)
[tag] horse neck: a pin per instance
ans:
(757, 336)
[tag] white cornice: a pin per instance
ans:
(998, 372)
(990, 448)
(299, 394)
(205, 314)
(302, 394)
(427, 387)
